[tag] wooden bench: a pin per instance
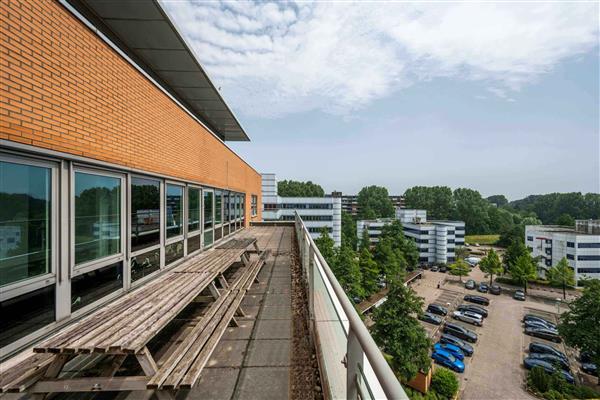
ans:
(126, 325)
(183, 367)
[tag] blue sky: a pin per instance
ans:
(499, 97)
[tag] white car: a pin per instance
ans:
(468, 317)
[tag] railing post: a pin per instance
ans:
(354, 363)
(311, 285)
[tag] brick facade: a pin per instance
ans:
(62, 88)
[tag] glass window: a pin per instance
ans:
(26, 313)
(225, 207)
(97, 216)
(144, 264)
(173, 252)
(174, 219)
(208, 218)
(193, 244)
(218, 208)
(91, 286)
(25, 221)
(193, 209)
(145, 213)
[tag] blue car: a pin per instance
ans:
(446, 359)
(466, 348)
(531, 363)
(450, 348)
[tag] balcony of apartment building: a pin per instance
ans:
(294, 335)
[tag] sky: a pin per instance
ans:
(501, 97)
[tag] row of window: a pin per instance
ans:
(588, 270)
(305, 206)
(123, 227)
(319, 229)
(308, 217)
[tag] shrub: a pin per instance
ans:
(553, 395)
(445, 383)
(539, 380)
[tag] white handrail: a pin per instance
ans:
(357, 333)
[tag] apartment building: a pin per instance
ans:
(113, 161)
(579, 245)
(435, 240)
(316, 212)
(350, 202)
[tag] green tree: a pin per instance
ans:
(370, 271)
(389, 259)
(562, 274)
(365, 241)
(565, 220)
(401, 337)
(374, 202)
(498, 199)
(437, 200)
(473, 209)
(326, 246)
(460, 268)
(445, 383)
(461, 252)
(513, 252)
(549, 207)
(580, 324)
(400, 243)
(523, 270)
(491, 265)
(290, 188)
(348, 230)
(348, 273)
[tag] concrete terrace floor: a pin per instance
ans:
(253, 361)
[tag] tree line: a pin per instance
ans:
(290, 188)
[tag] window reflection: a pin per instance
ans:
(174, 211)
(97, 216)
(218, 208)
(208, 218)
(25, 226)
(144, 264)
(91, 286)
(193, 209)
(145, 213)
(173, 252)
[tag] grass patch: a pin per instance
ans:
(482, 239)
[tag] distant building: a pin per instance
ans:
(350, 202)
(579, 245)
(316, 212)
(436, 240)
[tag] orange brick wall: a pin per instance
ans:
(63, 88)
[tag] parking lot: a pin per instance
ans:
(495, 371)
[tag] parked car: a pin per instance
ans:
(431, 318)
(443, 269)
(437, 309)
(468, 317)
(539, 324)
(585, 356)
(533, 317)
(530, 363)
(590, 368)
(460, 332)
(448, 360)
(477, 299)
(495, 289)
(519, 295)
(470, 284)
(543, 333)
(473, 308)
(461, 344)
(542, 348)
(435, 268)
(483, 287)
(450, 348)
(554, 360)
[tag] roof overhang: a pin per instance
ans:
(142, 30)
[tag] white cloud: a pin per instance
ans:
(278, 58)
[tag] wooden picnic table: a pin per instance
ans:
(125, 327)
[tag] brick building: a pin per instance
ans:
(113, 159)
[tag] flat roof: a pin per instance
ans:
(145, 33)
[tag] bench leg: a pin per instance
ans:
(114, 366)
(223, 281)
(255, 245)
(234, 323)
(240, 312)
(146, 362)
(214, 291)
(245, 259)
(53, 371)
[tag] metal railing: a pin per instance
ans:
(351, 364)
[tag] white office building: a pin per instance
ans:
(436, 240)
(579, 245)
(316, 212)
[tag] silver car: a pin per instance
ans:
(468, 317)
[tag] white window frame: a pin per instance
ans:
(28, 285)
(199, 231)
(253, 205)
(92, 265)
(178, 238)
(208, 190)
